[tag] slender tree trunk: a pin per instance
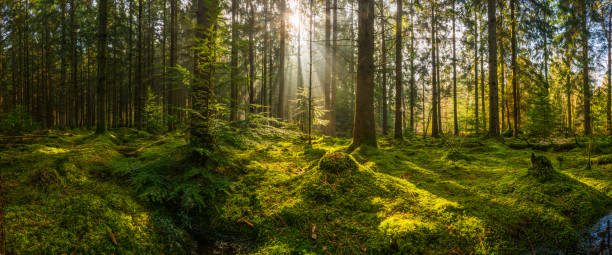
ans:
(383, 56)
(412, 70)
(300, 80)
(515, 88)
(456, 124)
(434, 94)
(334, 67)
(398, 70)
(140, 100)
(252, 67)
(364, 126)
(568, 88)
(172, 86)
(482, 82)
(234, 65)
(493, 96)
(585, 71)
(102, 45)
(501, 62)
(476, 122)
(264, 76)
(609, 99)
(327, 71)
(281, 69)
(310, 73)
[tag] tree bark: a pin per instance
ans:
(102, 45)
(281, 68)
(515, 85)
(364, 125)
(455, 122)
(585, 71)
(493, 97)
(202, 93)
(383, 56)
(334, 67)
(434, 86)
(398, 71)
(234, 65)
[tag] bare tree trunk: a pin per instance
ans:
(434, 86)
(327, 71)
(456, 124)
(398, 71)
(281, 68)
(334, 67)
(412, 70)
(493, 96)
(383, 56)
(234, 65)
(252, 77)
(364, 126)
(102, 45)
(515, 88)
(609, 99)
(476, 122)
(585, 71)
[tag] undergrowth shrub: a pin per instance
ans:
(17, 122)
(541, 168)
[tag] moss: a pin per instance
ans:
(337, 162)
(268, 192)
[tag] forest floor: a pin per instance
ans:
(266, 191)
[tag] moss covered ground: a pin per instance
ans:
(266, 191)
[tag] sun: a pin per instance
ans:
(295, 20)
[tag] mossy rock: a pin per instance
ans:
(337, 162)
(541, 168)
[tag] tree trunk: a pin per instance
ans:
(172, 85)
(327, 71)
(102, 45)
(515, 89)
(476, 122)
(281, 68)
(334, 67)
(456, 124)
(493, 97)
(252, 67)
(585, 71)
(202, 93)
(383, 56)
(398, 71)
(310, 73)
(609, 99)
(300, 81)
(412, 70)
(364, 127)
(234, 65)
(434, 93)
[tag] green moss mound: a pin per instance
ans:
(337, 162)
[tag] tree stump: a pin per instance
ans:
(541, 168)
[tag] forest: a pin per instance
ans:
(306, 127)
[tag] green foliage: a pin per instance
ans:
(540, 117)
(17, 122)
(154, 113)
